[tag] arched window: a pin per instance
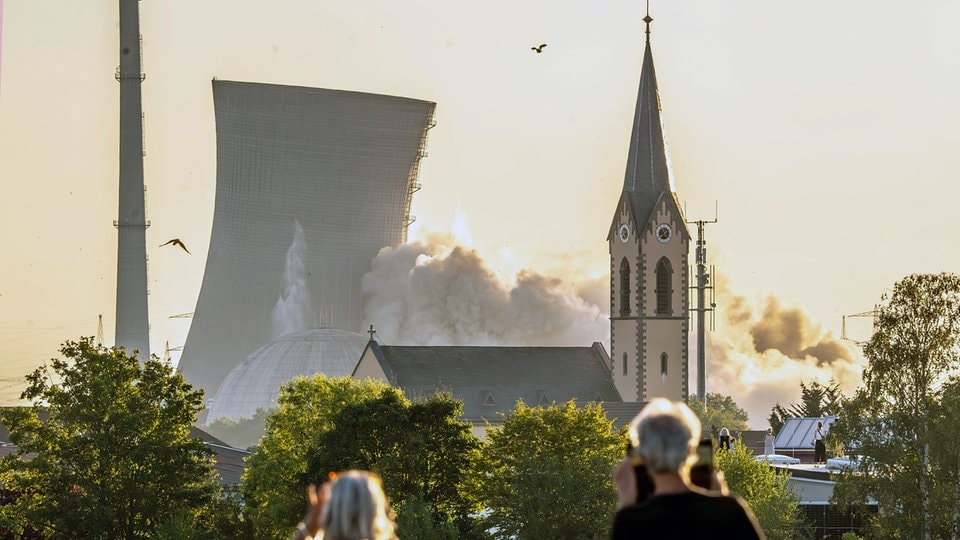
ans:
(624, 363)
(664, 287)
(624, 288)
(663, 365)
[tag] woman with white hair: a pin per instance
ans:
(665, 435)
(351, 506)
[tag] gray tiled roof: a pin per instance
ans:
(622, 412)
(490, 380)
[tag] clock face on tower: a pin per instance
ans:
(624, 233)
(664, 233)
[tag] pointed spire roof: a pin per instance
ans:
(647, 175)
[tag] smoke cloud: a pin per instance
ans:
(437, 292)
(759, 356)
(293, 312)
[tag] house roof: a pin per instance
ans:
(489, 380)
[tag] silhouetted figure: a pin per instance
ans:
(819, 449)
(176, 242)
(725, 439)
(539, 48)
(666, 435)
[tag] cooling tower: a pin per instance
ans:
(311, 184)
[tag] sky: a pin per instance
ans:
(820, 134)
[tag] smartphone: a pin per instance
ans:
(643, 480)
(701, 473)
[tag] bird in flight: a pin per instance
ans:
(539, 48)
(176, 242)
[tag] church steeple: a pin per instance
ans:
(648, 242)
(647, 174)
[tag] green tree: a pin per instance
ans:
(895, 419)
(104, 450)
(421, 450)
(719, 412)
(773, 503)
(241, 433)
(816, 401)
(274, 481)
(545, 473)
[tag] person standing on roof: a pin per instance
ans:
(819, 449)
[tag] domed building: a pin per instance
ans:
(255, 382)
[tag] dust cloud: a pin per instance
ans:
(438, 292)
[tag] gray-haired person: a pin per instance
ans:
(665, 435)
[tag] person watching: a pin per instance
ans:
(665, 435)
(351, 506)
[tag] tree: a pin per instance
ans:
(274, 481)
(546, 473)
(816, 401)
(104, 451)
(896, 420)
(773, 503)
(241, 433)
(720, 411)
(421, 450)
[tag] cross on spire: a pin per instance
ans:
(648, 19)
(371, 331)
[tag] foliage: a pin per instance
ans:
(545, 473)
(816, 401)
(322, 424)
(421, 450)
(104, 450)
(273, 484)
(901, 421)
(242, 433)
(417, 519)
(720, 412)
(773, 503)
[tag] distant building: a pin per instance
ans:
(255, 383)
(311, 184)
(649, 242)
(490, 380)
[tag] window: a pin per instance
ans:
(624, 363)
(624, 288)
(663, 365)
(664, 287)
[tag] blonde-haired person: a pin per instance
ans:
(666, 434)
(351, 506)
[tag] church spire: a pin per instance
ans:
(647, 174)
(647, 20)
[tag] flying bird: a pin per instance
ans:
(539, 48)
(176, 242)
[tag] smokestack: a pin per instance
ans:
(133, 327)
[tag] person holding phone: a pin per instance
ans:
(666, 436)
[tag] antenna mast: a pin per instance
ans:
(702, 285)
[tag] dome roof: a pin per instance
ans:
(255, 383)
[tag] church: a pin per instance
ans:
(648, 244)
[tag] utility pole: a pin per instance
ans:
(703, 284)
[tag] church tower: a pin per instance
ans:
(648, 242)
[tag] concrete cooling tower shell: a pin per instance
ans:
(341, 166)
(255, 383)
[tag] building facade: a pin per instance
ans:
(648, 244)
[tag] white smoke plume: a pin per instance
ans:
(759, 356)
(437, 292)
(293, 311)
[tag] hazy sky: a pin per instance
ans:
(825, 131)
